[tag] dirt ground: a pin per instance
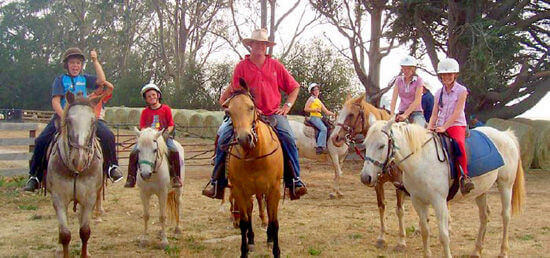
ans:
(312, 226)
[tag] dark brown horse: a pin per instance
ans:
(255, 167)
(353, 121)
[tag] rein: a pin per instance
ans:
(154, 165)
(350, 131)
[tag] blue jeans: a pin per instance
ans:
(416, 117)
(286, 137)
(322, 138)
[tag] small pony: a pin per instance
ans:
(352, 121)
(427, 178)
(154, 178)
(75, 169)
(255, 166)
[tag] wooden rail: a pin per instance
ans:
(37, 115)
(31, 127)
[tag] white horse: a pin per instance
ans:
(306, 148)
(154, 178)
(428, 180)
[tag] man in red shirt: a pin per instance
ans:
(158, 116)
(265, 77)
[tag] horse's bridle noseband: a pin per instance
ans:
(390, 154)
(153, 164)
(350, 130)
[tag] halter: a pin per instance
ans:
(154, 165)
(390, 154)
(350, 131)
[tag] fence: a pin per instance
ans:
(15, 156)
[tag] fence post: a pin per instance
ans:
(32, 134)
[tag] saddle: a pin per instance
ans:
(483, 156)
(311, 131)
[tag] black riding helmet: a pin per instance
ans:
(72, 52)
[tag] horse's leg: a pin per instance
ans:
(401, 244)
(243, 225)
(481, 202)
(85, 214)
(261, 207)
(98, 208)
(506, 201)
(250, 232)
(422, 211)
(337, 173)
(177, 230)
(272, 200)
(64, 233)
(442, 215)
(145, 198)
(162, 211)
(379, 188)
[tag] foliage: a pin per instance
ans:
(315, 62)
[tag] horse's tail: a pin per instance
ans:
(173, 206)
(518, 191)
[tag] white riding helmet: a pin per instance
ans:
(409, 61)
(312, 85)
(150, 86)
(448, 65)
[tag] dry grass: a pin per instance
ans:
(315, 225)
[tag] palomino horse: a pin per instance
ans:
(255, 166)
(154, 178)
(306, 148)
(352, 121)
(75, 168)
(428, 180)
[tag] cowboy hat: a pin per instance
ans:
(258, 35)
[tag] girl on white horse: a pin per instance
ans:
(314, 106)
(409, 88)
(448, 114)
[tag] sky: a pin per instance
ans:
(390, 64)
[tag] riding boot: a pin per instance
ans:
(132, 170)
(217, 189)
(466, 184)
(296, 188)
(175, 169)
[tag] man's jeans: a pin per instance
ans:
(286, 137)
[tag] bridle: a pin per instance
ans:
(390, 155)
(350, 130)
(154, 165)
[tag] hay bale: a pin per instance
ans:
(110, 114)
(212, 122)
(196, 124)
(121, 116)
(180, 118)
(134, 115)
(525, 135)
(541, 157)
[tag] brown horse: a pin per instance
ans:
(352, 121)
(255, 167)
(75, 169)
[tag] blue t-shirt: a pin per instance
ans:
(427, 105)
(80, 83)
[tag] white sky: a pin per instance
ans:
(390, 64)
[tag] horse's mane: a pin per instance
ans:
(148, 134)
(380, 114)
(83, 101)
(415, 134)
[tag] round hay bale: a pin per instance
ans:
(134, 115)
(541, 157)
(525, 135)
(121, 116)
(180, 118)
(212, 122)
(196, 125)
(110, 114)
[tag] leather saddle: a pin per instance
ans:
(311, 131)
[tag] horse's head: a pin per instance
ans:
(78, 129)
(150, 146)
(240, 107)
(351, 120)
(379, 150)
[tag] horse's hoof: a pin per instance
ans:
(400, 248)
(270, 245)
(380, 243)
(177, 231)
(251, 248)
(58, 253)
(87, 255)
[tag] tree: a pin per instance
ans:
(349, 18)
(317, 62)
(501, 46)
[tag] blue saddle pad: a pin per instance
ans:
(483, 155)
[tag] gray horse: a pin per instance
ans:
(75, 169)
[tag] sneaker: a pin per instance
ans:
(32, 184)
(114, 173)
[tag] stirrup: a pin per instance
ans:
(33, 178)
(109, 174)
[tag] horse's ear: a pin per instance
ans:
(137, 131)
(226, 103)
(388, 125)
(69, 96)
(243, 84)
(372, 119)
(361, 98)
(159, 133)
